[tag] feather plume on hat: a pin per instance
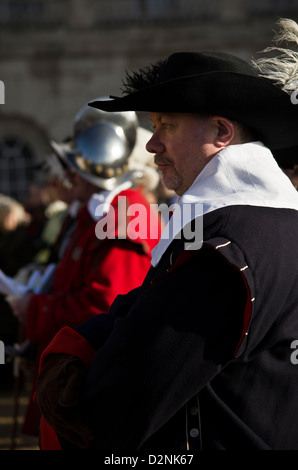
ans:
(282, 69)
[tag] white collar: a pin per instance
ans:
(245, 174)
(99, 203)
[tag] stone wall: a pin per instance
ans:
(54, 61)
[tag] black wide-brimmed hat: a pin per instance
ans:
(221, 84)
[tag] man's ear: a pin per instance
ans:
(224, 131)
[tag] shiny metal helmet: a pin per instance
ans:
(89, 117)
(101, 145)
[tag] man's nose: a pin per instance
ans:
(154, 145)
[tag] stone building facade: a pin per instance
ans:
(56, 55)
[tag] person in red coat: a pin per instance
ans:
(200, 357)
(97, 265)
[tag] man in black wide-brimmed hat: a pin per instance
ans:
(203, 354)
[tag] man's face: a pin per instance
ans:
(81, 189)
(182, 144)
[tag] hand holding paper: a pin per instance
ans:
(19, 295)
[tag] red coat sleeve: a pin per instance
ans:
(114, 269)
(67, 341)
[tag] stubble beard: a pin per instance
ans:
(171, 181)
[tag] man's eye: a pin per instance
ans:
(163, 125)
